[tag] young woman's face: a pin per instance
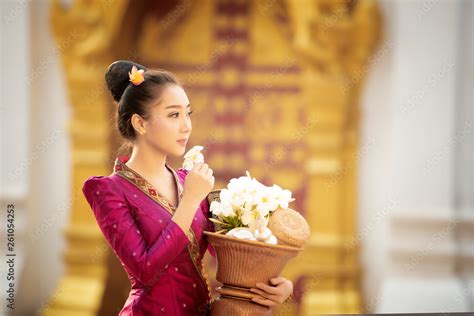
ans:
(168, 126)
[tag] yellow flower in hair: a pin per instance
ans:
(136, 76)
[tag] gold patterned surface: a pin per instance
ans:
(275, 88)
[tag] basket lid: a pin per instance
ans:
(289, 227)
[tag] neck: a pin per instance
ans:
(146, 161)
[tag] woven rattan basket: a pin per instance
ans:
(244, 263)
(241, 264)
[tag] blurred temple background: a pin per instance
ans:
(362, 108)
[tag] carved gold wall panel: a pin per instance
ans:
(86, 33)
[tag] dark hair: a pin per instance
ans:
(134, 98)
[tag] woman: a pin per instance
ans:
(152, 216)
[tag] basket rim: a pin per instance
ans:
(253, 243)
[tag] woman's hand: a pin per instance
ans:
(273, 295)
(199, 182)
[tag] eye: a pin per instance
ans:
(176, 114)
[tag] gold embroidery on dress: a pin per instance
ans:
(135, 178)
(193, 249)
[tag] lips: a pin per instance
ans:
(182, 141)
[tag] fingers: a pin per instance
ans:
(265, 302)
(213, 180)
(205, 170)
(277, 280)
(268, 289)
(201, 167)
(197, 166)
(204, 167)
(265, 295)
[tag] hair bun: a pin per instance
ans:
(117, 79)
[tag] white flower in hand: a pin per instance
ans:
(192, 157)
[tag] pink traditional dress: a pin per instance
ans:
(163, 262)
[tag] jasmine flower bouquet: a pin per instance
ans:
(245, 206)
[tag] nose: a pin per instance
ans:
(186, 126)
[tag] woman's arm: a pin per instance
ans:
(145, 262)
(273, 295)
(205, 206)
(184, 214)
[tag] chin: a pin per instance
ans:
(179, 152)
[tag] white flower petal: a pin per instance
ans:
(193, 151)
(272, 240)
(188, 165)
(263, 234)
(216, 208)
(241, 233)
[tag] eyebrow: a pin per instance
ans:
(176, 106)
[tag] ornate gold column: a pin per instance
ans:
(334, 40)
(86, 32)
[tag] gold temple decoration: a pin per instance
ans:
(275, 87)
(334, 40)
(87, 34)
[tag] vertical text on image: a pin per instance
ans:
(10, 256)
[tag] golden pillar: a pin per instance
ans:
(334, 39)
(89, 34)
